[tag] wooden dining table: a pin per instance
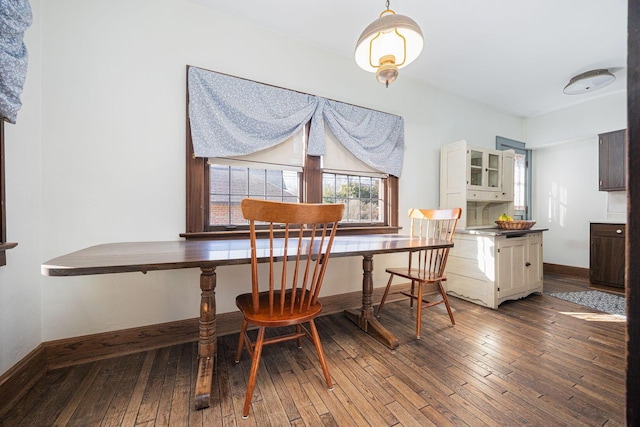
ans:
(207, 255)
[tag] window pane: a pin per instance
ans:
(256, 182)
(236, 217)
(230, 184)
(519, 203)
(360, 195)
(273, 185)
(219, 212)
(238, 180)
(291, 187)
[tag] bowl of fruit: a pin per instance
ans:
(506, 222)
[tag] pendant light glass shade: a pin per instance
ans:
(389, 43)
(589, 81)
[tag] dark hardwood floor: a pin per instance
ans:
(536, 361)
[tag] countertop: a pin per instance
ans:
(608, 221)
(495, 231)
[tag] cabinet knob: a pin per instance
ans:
(527, 264)
(619, 231)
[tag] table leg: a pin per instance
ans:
(207, 340)
(364, 317)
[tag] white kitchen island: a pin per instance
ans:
(488, 266)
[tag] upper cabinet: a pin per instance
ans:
(479, 180)
(484, 169)
(612, 161)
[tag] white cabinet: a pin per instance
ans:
(479, 180)
(488, 268)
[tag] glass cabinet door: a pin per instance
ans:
(493, 170)
(475, 168)
(484, 169)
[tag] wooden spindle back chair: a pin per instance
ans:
(427, 267)
(296, 245)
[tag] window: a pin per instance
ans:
(3, 230)
(345, 179)
(4, 245)
(520, 183)
(233, 117)
(521, 176)
(221, 184)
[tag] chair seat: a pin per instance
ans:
(415, 274)
(262, 317)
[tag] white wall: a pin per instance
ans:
(566, 198)
(112, 148)
(565, 176)
(603, 114)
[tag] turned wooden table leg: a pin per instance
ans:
(364, 317)
(207, 340)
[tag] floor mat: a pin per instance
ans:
(602, 301)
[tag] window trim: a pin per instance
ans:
(197, 198)
(4, 245)
(3, 225)
(520, 148)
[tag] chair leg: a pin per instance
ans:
(446, 302)
(323, 362)
(251, 384)
(418, 311)
(243, 330)
(384, 296)
(299, 340)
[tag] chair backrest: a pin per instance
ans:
(296, 232)
(433, 224)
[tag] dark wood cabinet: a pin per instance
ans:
(607, 254)
(612, 156)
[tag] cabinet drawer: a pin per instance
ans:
(608, 230)
(482, 195)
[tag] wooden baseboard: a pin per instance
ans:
(605, 288)
(72, 351)
(88, 348)
(20, 377)
(582, 273)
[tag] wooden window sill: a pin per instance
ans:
(244, 234)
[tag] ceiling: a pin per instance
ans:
(514, 55)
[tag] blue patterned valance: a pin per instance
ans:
(373, 137)
(230, 116)
(15, 18)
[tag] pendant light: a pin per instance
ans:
(389, 43)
